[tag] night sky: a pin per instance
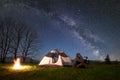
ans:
(91, 27)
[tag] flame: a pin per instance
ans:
(17, 64)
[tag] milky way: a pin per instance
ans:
(89, 27)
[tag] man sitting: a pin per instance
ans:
(79, 61)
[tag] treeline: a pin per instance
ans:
(16, 38)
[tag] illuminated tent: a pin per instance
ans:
(55, 58)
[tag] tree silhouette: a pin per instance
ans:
(16, 38)
(107, 59)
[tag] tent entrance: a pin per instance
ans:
(54, 58)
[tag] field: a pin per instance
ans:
(35, 72)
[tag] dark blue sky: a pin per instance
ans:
(91, 27)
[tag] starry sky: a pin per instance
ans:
(91, 27)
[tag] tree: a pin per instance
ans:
(28, 42)
(5, 39)
(15, 37)
(107, 59)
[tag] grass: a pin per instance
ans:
(35, 72)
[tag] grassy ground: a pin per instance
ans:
(35, 72)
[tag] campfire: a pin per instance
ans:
(17, 64)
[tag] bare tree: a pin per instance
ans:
(5, 39)
(28, 42)
(23, 38)
(16, 37)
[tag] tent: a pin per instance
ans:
(55, 58)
